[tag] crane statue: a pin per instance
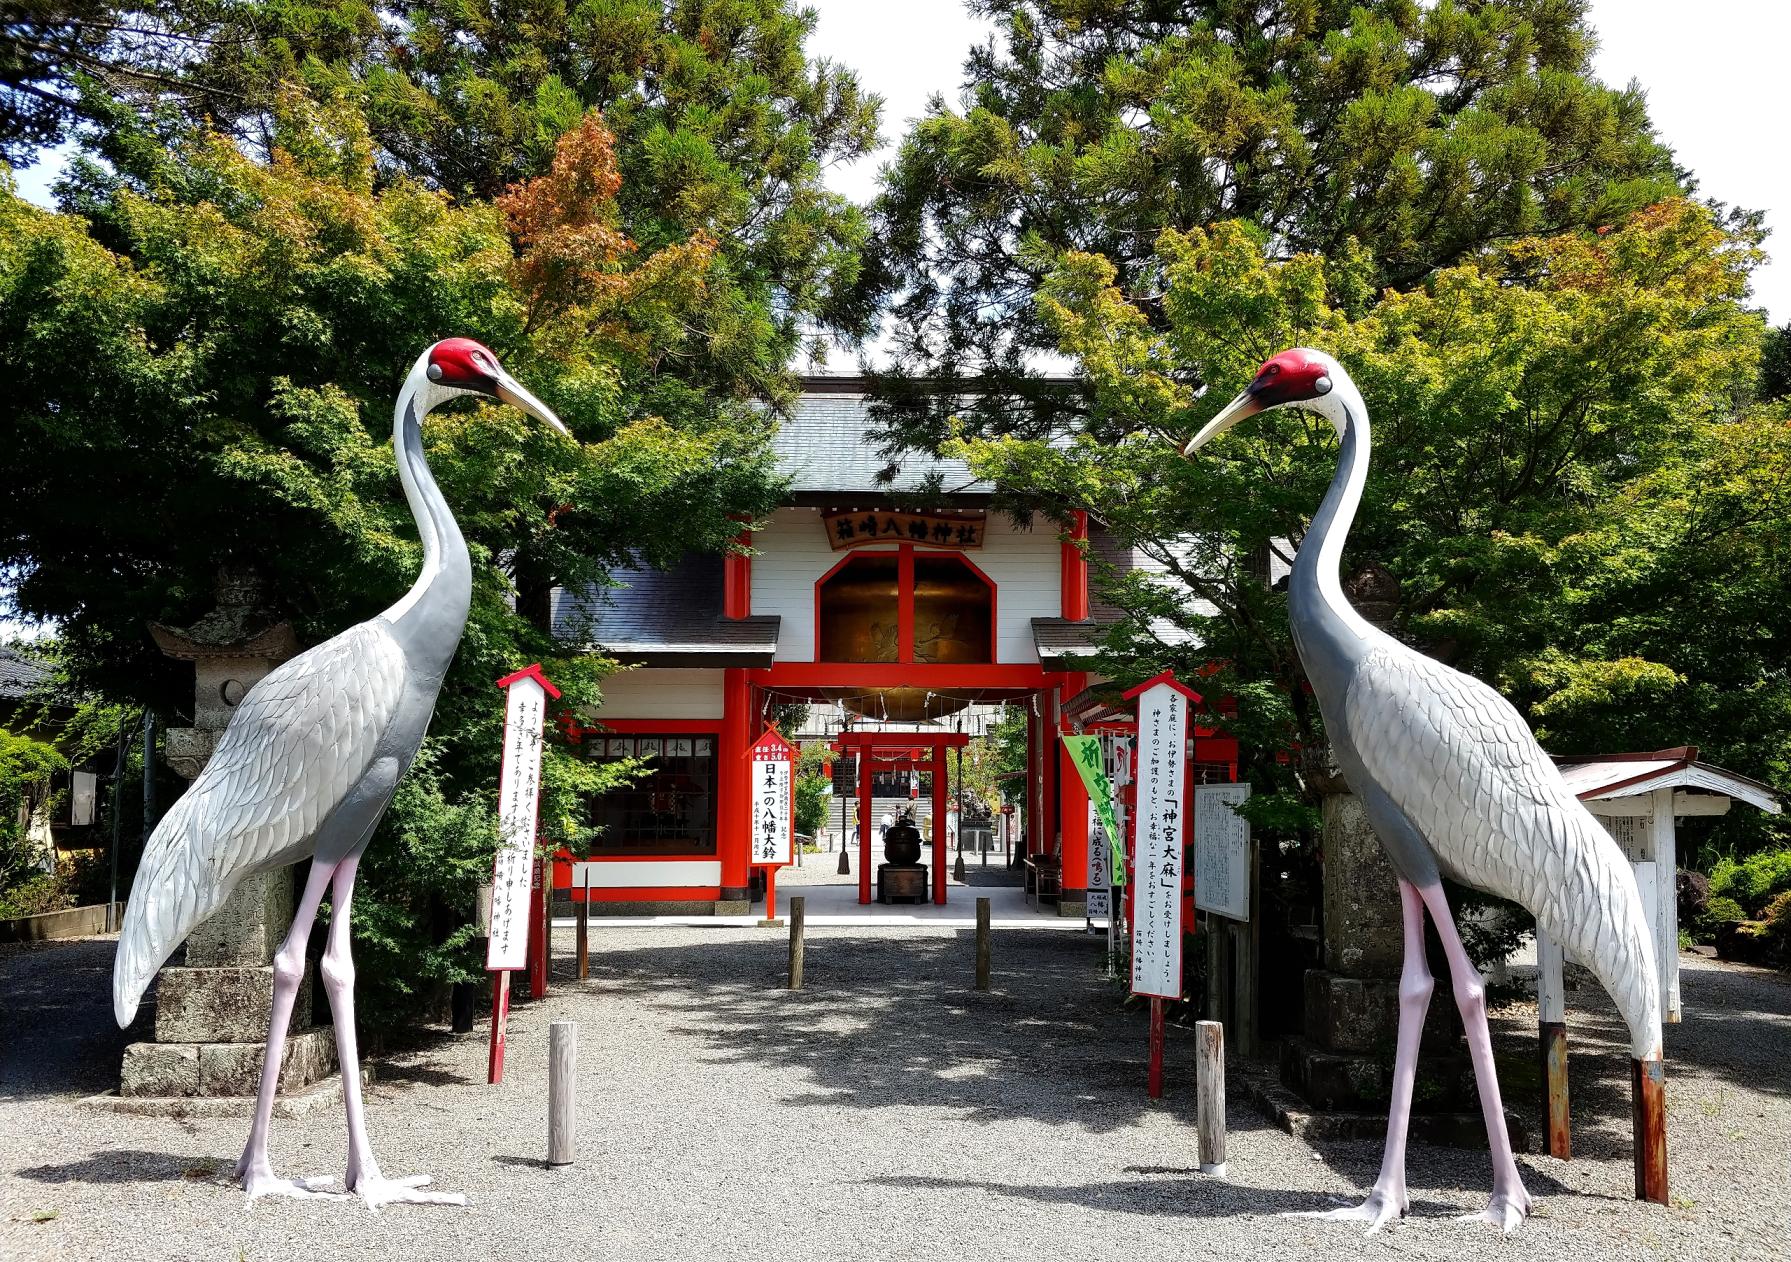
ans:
(306, 769)
(1455, 785)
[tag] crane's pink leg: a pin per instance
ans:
(1510, 1203)
(1388, 1200)
(364, 1178)
(254, 1169)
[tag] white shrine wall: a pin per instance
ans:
(792, 553)
(675, 693)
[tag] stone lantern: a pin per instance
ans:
(212, 1013)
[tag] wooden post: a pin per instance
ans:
(1209, 1078)
(1247, 943)
(1648, 1095)
(584, 929)
(500, 1014)
(562, 1082)
(1155, 1082)
(1551, 1011)
(798, 909)
(982, 944)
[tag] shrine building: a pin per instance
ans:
(895, 616)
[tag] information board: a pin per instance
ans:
(519, 800)
(773, 807)
(1160, 854)
(1221, 850)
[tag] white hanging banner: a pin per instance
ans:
(1159, 840)
(1221, 850)
(1099, 870)
(773, 805)
(519, 804)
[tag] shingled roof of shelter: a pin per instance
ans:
(667, 617)
(20, 674)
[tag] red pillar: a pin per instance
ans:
(939, 796)
(1074, 578)
(1048, 747)
(733, 828)
(736, 582)
(1033, 780)
(865, 763)
(1075, 824)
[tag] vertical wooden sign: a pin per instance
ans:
(773, 810)
(1160, 850)
(513, 875)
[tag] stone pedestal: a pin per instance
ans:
(1342, 1067)
(212, 1013)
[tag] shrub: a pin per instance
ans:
(1778, 916)
(1754, 881)
(1723, 909)
(32, 896)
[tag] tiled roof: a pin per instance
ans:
(19, 675)
(665, 618)
(828, 445)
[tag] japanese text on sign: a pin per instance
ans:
(1221, 850)
(1157, 897)
(1085, 753)
(773, 818)
(519, 795)
(849, 528)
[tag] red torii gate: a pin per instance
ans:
(912, 745)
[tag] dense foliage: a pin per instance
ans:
(1408, 135)
(206, 340)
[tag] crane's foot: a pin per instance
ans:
(377, 1190)
(1505, 1211)
(260, 1183)
(1383, 1206)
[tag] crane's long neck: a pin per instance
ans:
(429, 619)
(1328, 631)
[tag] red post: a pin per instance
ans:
(1555, 1107)
(771, 893)
(1156, 1048)
(864, 827)
(500, 1014)
(939, 796)
(1648, 1086)
(538, 936)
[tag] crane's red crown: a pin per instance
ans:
(463, 364)
(1290, 377)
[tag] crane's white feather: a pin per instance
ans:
(1462, 764)
(298, 742)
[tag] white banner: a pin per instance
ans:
(1099, 877)
(1160, 855)
(772, 827)
(1221, 850)
(519, 799)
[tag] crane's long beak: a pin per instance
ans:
(512, 392)
(1246, 404)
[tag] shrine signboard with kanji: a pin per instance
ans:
(773, 802)
(1221, 850)
(519, 799)
(1159, 849)
(848, 528)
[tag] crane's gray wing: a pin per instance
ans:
(1462, 765)
(296, 744)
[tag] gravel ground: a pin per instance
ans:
(887, 1111)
